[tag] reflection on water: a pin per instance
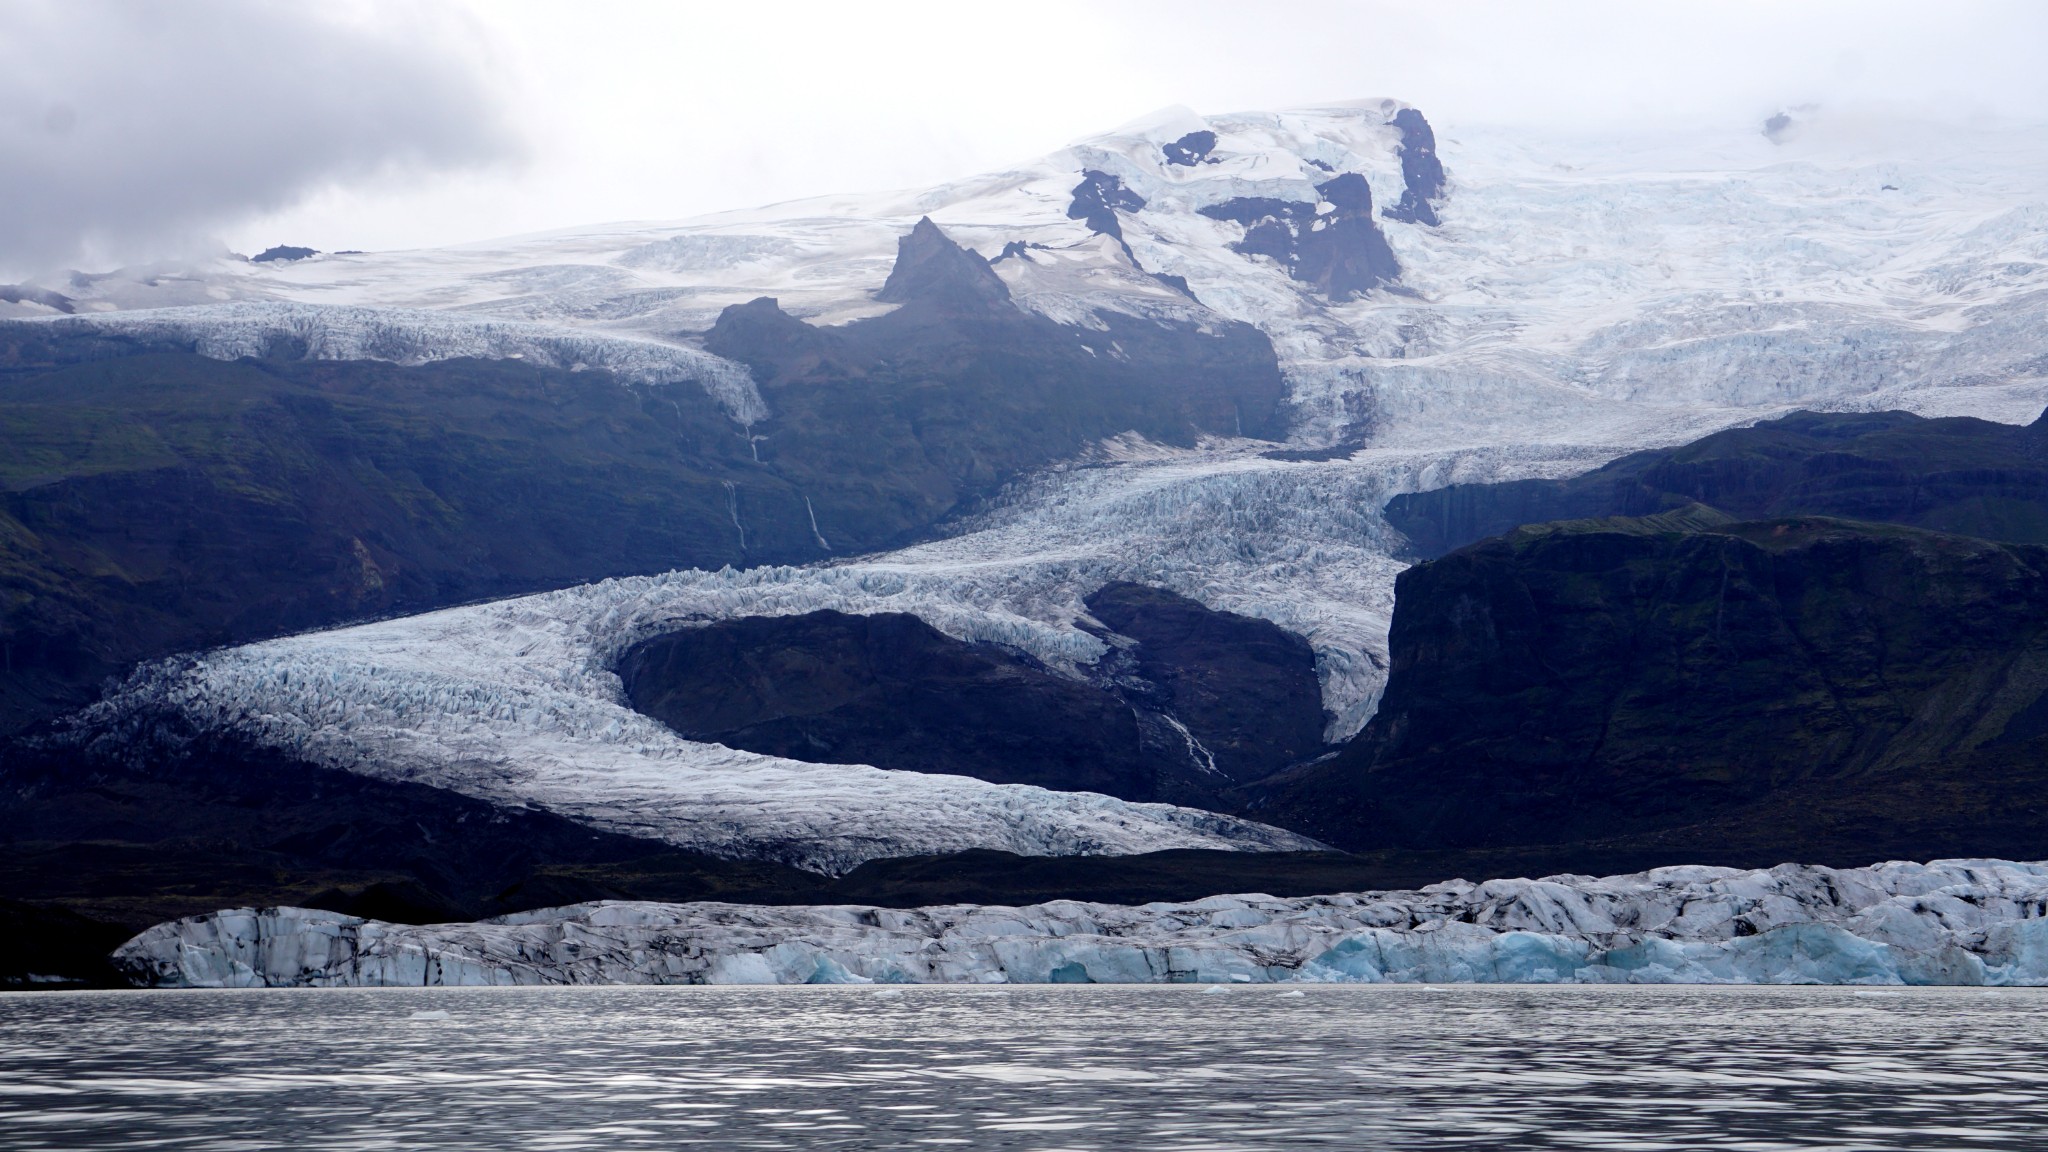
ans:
(1032, 1068)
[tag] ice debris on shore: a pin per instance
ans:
(1970, 922)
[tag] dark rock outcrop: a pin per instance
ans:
(933, 272)
(950, 400)
(1954, 474)
(1340, 251)
(29, 294)
(1422, 173)
(1191, 149)
(1189, 702)
(1098, 198)
(888, 690)
(285, 252)
(1687, 689)
(1244, 689)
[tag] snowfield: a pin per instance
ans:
(1976, 922)
(1580, 300)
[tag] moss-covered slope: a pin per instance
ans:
(1685, 688)
(1955, 474)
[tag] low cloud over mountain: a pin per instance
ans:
(129, 131)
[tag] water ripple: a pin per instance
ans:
(564, 1069)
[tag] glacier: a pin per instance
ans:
(1581, 298)
(1953, 922)
(418, 336)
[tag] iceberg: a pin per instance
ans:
(1950, 922)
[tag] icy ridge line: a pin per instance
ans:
(413, 336)
(1957, 922)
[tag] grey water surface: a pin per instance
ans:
(1099, 1067)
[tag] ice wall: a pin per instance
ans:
(1977, 922)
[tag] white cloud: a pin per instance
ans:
(131, 130)
(639, 110)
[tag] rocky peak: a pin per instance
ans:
(1421, 171)
(934, 271)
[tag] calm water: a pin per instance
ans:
(1038, 1068)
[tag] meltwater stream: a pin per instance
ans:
(1028, 1068)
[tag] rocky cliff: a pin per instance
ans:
(1687, 687)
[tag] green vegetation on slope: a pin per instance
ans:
(1955, 474)
(1682, 688)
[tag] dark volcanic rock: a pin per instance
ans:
(951, 401)
(1954, 474)
(1342, 251)
(1422, 174)
(1271, 226)
(1190, 701)
(933, 272)
(28, 294)
(283, 252)
(1191, 149)
(888, 690)
(1697, 690)
(1244, 688)
(1098, 198)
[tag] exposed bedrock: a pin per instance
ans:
(1422, 173)
(285, 253)
(1188, 702)
(1954, 474)
(1244, 688)
(1191, 149)
(1706, 691)
(1098, 198)
(891, 691)
(42, 297)
(933, 272)
(1334, 245)
(959, 390)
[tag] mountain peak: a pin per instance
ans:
(931, 269)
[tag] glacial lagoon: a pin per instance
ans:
(1029, 1067)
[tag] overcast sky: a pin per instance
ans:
(131, 130)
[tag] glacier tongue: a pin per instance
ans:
(515, 702)
(1975, 922)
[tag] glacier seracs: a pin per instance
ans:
(1582, 298)
(1970, 922)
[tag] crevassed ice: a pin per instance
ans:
(1974, 922)
(417, 336)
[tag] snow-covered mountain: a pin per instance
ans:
(1573, 299)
